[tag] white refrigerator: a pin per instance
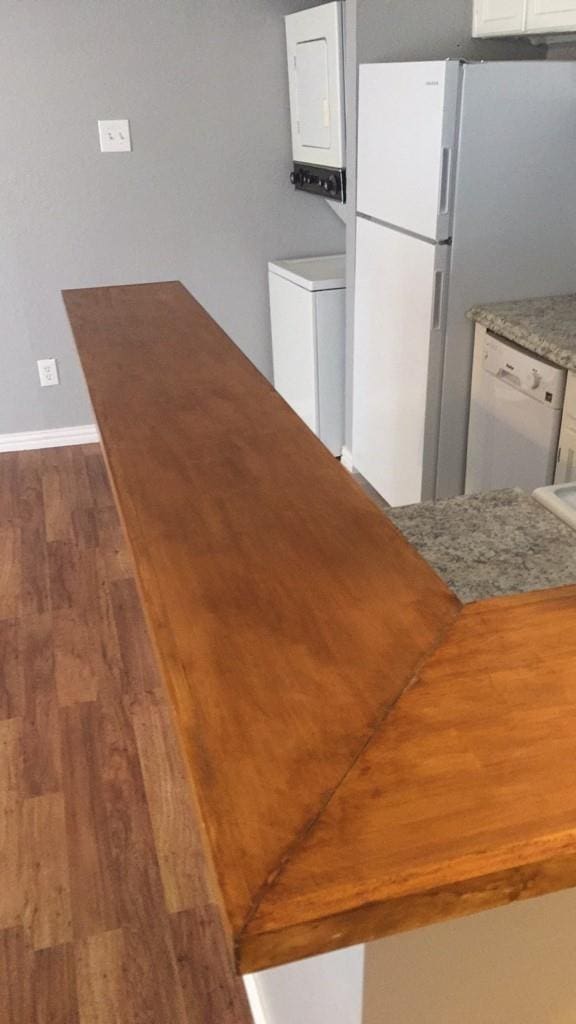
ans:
(466, 194)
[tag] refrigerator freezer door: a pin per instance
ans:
(398, 354)
(407, 123)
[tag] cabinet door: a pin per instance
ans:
(566, 463)
(499, 17)
(551, 16)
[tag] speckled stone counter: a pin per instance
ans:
(545, 326)
(500, 542)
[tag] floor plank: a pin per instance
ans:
(34, 594)
(214, 995)
(84, 527)
(99, 485)
(16, 966)
(11, 683)
(29, 514)
(58, 514)
(12, 891)
(79, 665)
(102, 983)
(106, 911)
(46, 914)
(54, 986)
(8, 490)
(140, 670)
(167, 789)
(92, 887)
(9, 571)
(41, 739)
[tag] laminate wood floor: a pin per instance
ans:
(105, 910)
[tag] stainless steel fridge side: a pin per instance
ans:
(514, 222)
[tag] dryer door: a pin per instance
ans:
(316, 75)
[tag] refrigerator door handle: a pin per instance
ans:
(445, 179)
(438, 299)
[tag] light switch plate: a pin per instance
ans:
(114, 136)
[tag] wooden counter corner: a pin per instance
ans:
(367, 755)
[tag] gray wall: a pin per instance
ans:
(407, 30)
(203, 197)
(427, 30)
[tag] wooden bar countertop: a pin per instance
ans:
(367, 755)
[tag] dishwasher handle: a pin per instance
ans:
(509, 378)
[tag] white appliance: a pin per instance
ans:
(465, 195)
(314, 41)
(307, 317)
(515, 413)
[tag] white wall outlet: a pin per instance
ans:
(114, 136)
(48, 373)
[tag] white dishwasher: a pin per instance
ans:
(515, 413)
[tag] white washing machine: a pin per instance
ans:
(515, 413)
(307, 310)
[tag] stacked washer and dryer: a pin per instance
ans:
(307, 295)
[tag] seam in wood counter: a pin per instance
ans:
(367, 756)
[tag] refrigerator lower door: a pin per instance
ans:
(398, 355)
(407, 120)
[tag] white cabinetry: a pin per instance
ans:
(550, 16)
(566, 464)
(498, 17)
(523, 17)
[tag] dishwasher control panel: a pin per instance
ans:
(520, 369)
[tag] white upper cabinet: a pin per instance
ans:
(498, 17)
(550, 16)
(523, 17)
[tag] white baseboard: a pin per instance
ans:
(255, 999)
(58, 438)
(347, 460)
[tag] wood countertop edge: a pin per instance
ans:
(257, 947)
(258, 950)
(548, 867)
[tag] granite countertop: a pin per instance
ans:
(499, 542)
(546, 326)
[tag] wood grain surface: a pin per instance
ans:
(359, 746)
(106, 911)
